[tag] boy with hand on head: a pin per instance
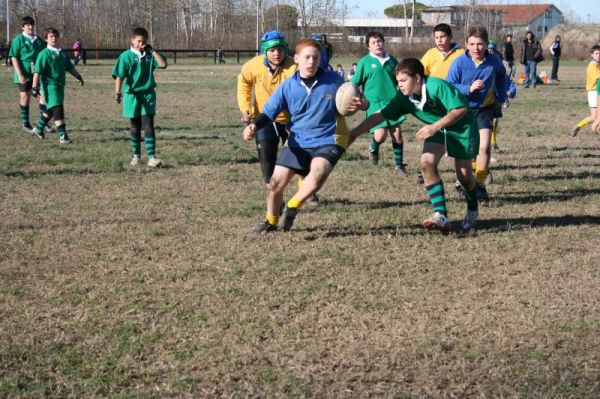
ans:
(319, 134)
(449, 129)
(263, 74)
(23, 52)
(481, 78)
(592, 77)
(51, 67)
(134, 86)
(375, 74)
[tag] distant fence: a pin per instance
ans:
(112, 53)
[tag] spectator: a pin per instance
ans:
(76, 51)
(555, 50)
(508, 56)
(531, 55)
(220, 55)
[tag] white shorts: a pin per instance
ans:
(592, 98)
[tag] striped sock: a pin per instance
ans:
(471, 198)
(398, 153)
(42, 123)
(62, 130)
(135, 139)
(437, 197)
(374, 145)
(294, 203)
(480, 175)
(42, 108)
(25, 115)
(583, 122)
(150, 143)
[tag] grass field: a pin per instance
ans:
(120, 282)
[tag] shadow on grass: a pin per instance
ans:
(525, 197)
(542, 221)
(369, 204)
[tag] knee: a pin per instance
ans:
(275, 184)
(426, 164)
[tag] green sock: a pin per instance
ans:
(42, 123)
(150, 143)
(471, 198)
(62, 130)
(398, 153)
(25, 115)
(437, 197)
(374, 145)
(135, 139)
(42, 108)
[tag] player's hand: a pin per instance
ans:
(246, 117)
(35, 91)
(148, 49)
(118, 97)
(476, 85)
(506, 104)
(426, 131)
(249, 131)
(355, 105)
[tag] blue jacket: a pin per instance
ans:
(312, 112)
(463, 72)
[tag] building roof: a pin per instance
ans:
(517, 14)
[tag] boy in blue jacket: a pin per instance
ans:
(319, 134)
(481, 78)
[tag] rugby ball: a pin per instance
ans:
(344, 97)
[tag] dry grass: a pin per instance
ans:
(118, 283)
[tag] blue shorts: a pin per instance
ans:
(485, 117)
(299, 159)
(272, 131)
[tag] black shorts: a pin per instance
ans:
(57, 112)
(25, 87)
(485, 117)
(299, 159)
(272, 131)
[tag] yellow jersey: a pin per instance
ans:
(437, 63)
(592, 75)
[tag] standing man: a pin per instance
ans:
(23, 52)
(531, 54)
(555, 50)
(508, 56)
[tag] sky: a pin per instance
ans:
(580, 8)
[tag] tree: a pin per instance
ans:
(397, 11)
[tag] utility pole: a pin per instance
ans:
(8, 21)
(257, 39)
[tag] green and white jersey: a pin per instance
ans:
(137, 71)
(377, 78)
(26, 50)
(438, 98)
(53, 64)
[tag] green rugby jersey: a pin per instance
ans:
(26, 51)
(52, 65)
(377, 80)
(136, 71)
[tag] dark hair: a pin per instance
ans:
(528, 32)
(371, 35)
(140, 32)
(509, 35)
(411, 67)
(27, 20)
(595, 48)
(443, 28)
(52, 30)
(478, 31)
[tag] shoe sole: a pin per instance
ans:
(434, 227)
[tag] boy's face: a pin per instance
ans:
(530, 36)
(308, 61)
(52, 39)
(376, 46)
(27, 29)
(275, 55)
(476, 47)
(596, 55)
(407, 84)
(442, 41)
(138, 42)
(508, 39)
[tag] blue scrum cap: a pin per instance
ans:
(272, 39)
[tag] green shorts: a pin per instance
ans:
(140, 104)
(460, 144)
(53, 95)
